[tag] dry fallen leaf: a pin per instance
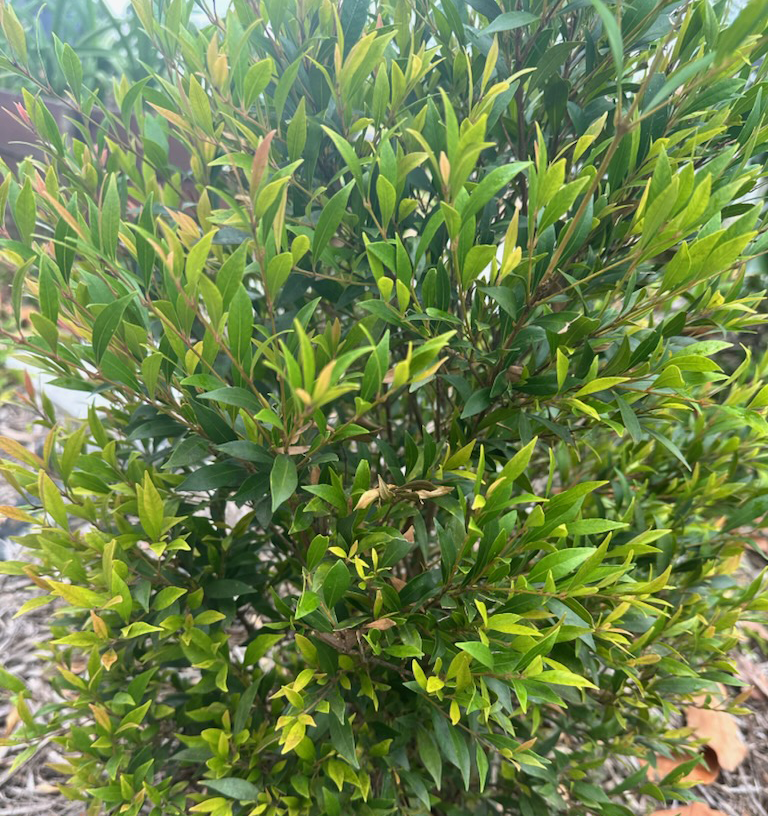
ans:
(761, 542)
(693, 809)
(700, 775)
(754, 674)
(11, 721)
(721, 731)
(754, 630)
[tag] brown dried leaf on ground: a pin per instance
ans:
(754, 630)
(702, 774)
(750, 672)
(721, 730)
(692, 809)
(761, 542)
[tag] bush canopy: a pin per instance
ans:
(422, 446)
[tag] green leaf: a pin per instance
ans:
(25, 212)
(240, 325)
(508, 625)
(285, 85)
(563, 677)
(78, 596)
(559, 563)
(230, 276)
(72, 68)
(235, 396)
(167, 596)
(49, 293)
(347, 153)
(316, 551)
(233, 788)
(629, 418)
(297, 130)
(14, 33)
(613, 33)
(387, 200)
(600, 384)
(256, 80)
(519, 462)
(52, 501)
(479, 651)
(10, 682)
(562, 369)
(354, 14)
(562, 201)
(592, 526)
(430, 755)
(671, 447)
(110, 218)
(106, 324)
(343, 740)
(509, 21)
(307, 604)
(151, 508)
(376, 368)
(478, 402)
(492, 183)
(478, 258)
(197, 258)
(244, 706)
(139, 629)
(482, 766)
(329, 221)
(211, 477)
(283, 480)
(335, 584)
(200, 106)
(751, 19)
(679, 78)
(258, 647)
(278, 270)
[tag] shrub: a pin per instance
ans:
(106, 44)
(418, 463)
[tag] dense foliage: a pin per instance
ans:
(422, 443)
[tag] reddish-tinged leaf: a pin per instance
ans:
(260, 159)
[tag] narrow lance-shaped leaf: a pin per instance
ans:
(283, 480)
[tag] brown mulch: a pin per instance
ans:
(744, 792)
(30, 789)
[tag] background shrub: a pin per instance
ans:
(106, 42)
(419, 459)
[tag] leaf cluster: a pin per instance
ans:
(418, 461)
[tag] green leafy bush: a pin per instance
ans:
(106, 44)
(418, 463)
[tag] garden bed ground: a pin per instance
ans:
(30, 789)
